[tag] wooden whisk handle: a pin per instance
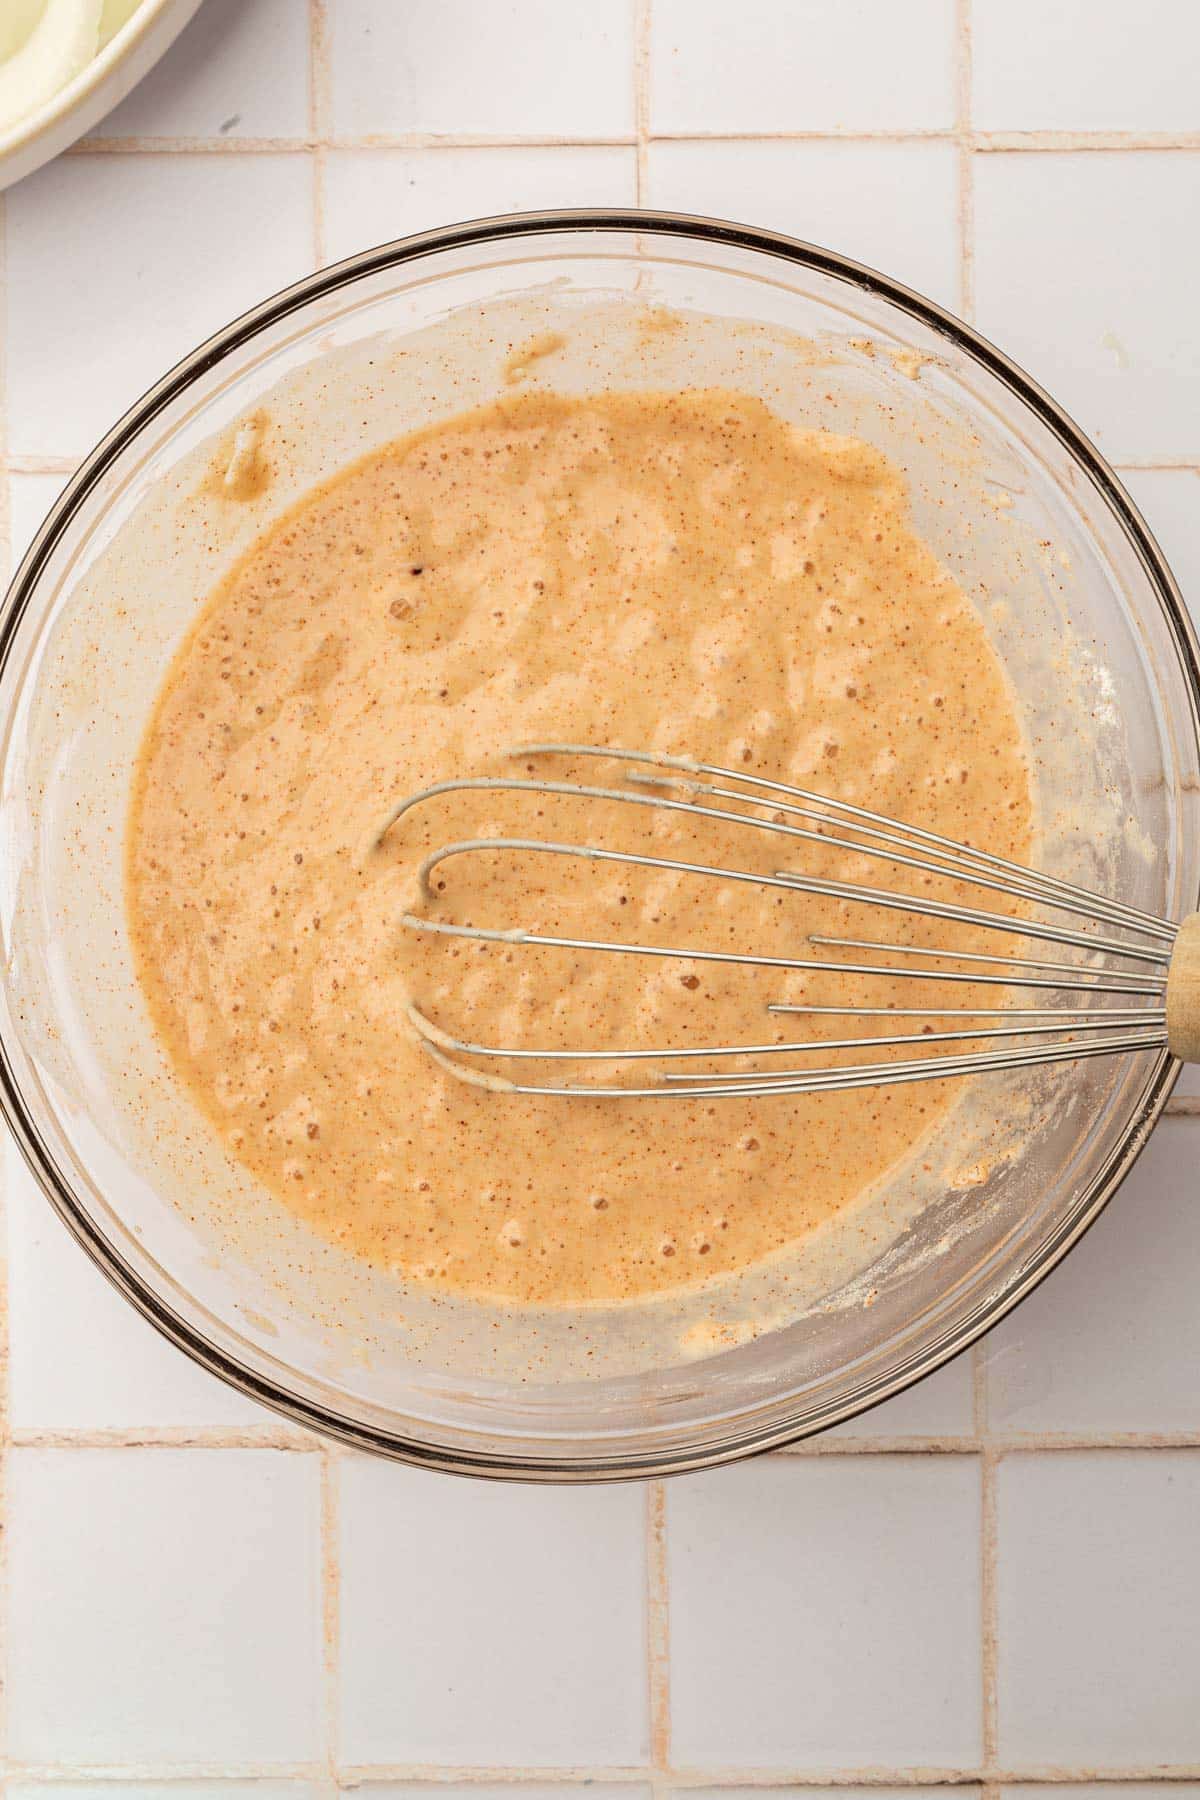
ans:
(1183, 993)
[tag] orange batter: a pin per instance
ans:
(683, 572)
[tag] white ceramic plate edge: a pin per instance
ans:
(94, 92)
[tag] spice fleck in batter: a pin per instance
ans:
(682, 572)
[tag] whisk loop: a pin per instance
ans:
(1167, 982)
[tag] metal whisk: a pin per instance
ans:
(1150, 1007)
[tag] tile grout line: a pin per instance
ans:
(925, 1776)
(986, 142)
(190, 146)
(173, 1774)
(765, 1779)
(166, 1437)
(658, 1631)
(1083, 142)
(42, 465)
(326, 141)
(966, 163)
(1153, 464)
(998, 1447)
(641, 96)
(319, 83)
(301, 1443)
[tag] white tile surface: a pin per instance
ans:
(889, 205)
(490, 1625)
(940, 1406)
(166, 1606)
(513, 67)
(375, 195)
(80, 1356)
(1170, 500)
(825, 1613)
(1084, 271)
(240, 70)
(1082, 65)
(824, 65)
(30, 498)
(82, 346)
(1111, 1342)
(1099, 1608)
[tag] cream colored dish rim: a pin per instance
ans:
(87, 84)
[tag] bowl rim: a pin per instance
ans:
(744, 1437)
(65, 100)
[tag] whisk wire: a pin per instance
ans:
(820, 938)
(688, 953)
(961, 867)
(1073, 1030)
(1147, 921)
(1070, 1023)
(811, 884)
(886, 1074)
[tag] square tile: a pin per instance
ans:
(1099, 1608)
(166, 1605)
(1083, 275)
(825, 1613)
(828, 65)
(80, 1357)
(1111, 1341)
(529, 68)
(91, 327)
(505, 1622)
(1084, 65)
(943, 1405)
(30, 498)
(372, 196)
(893, 206)
(240, 70)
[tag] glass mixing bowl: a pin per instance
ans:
(1018, 505)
